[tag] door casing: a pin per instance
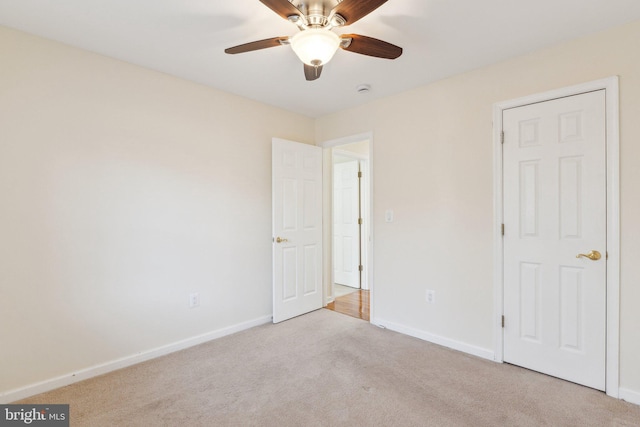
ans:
(611, 87)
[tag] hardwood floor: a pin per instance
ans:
(355, 304)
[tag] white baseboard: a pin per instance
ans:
(436, 339)
(103, 368)
(630, 396)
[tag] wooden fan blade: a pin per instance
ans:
(371, 47)
(282, 7)
(257, 45)
(312, 73)
(353, 10)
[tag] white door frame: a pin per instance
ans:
(327, 221)
(610, 85)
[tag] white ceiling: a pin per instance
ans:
(187, 38)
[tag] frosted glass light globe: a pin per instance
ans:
(315, 46)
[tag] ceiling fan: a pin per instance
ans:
(316, 43)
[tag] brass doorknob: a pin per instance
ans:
(593, 255)
(281, 240)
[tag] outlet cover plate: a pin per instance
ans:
(431, 296)
(194, 300)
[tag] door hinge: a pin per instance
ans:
(501, 137)
(359, 174)
(502, 229)
(359, 221)
(503, 321)
(360, 267)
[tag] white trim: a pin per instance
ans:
(366, 136)
(367, 216)
(348, 140)
(498, 247)
(350, 154)
(610, 85)
(630, 396)
(613, 237)
(437, 339)
(103, 368)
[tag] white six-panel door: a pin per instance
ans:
(346, 232)
(554, 210)
(297, 228)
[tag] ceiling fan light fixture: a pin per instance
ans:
(315, 46)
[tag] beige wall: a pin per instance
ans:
(432, 154)
(123, 190)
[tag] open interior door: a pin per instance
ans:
(346, 224)
(297, 228)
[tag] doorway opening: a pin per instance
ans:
(348, 214)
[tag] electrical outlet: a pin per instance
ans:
(431, 296)
(194, 300)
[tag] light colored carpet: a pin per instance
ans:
(328, 369)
